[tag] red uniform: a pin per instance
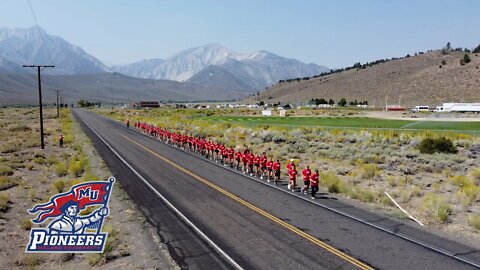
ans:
(263, 161)
(306, 174)
(314, 180)
(269, 165)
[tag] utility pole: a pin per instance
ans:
(40, 68)
(58, 106)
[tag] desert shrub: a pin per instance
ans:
(52, 160)
(30, 166)
(39, 160)
(21, 128)
(26, 224)
(392, 181)
(364, 195)
(30, 260)
(32, 194)
(7, 182)
(76, 166)
(333, 183)
(435, 208)
(59, 185)
(475, 175)
(474, 221)
(5, 170)
(369, 171)
(61, 169)
(438, 145)
(4, 201)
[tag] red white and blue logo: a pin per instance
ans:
(69, 231)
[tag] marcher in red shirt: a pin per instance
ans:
(306, 173)
(292, 173)
(263, 165)
(276, 168)
(244, 161)
(256, 162)
(269, 166)
(290, 165)
(314, 183)
(238, 157)
(250, 158)
(231, 154)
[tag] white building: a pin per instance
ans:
(459, 107)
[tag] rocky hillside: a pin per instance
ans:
(425, 79)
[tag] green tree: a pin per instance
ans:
(342, 102)
(477, 49)
(331, 102)
(466, 58)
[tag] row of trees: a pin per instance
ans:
(342, 103)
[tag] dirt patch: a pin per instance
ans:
(29, 176)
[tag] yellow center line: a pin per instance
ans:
(275, 219)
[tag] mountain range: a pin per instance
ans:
(210, 72)
(258, 69)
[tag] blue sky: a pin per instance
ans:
(332, 33)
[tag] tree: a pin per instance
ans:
(477, 49)
(331, 102)
(466, 58)
(447, 48)
(342, 102)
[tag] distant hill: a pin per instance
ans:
(258, 69)
(216, 76)
(104, 87)
(417, 80)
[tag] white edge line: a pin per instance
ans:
(170, 205)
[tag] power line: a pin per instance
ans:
(33, 13)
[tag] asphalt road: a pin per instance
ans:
(258, 226)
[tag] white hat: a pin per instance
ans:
(292, 160)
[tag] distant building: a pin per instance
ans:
(459, 107)
(146, 104)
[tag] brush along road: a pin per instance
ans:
(249, 224)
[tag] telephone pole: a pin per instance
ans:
(58, 106)
(40, 68)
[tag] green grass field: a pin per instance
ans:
(346, 122)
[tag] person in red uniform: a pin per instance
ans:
(306, 173)
(314, 183)
(290, 165)
(60, 140)
(231, 154)
(276, 168)
(292, 173)
(256, 162)
(269, 166)
(244, 161)
(238, 157)
(263, 165)
(250, 158)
